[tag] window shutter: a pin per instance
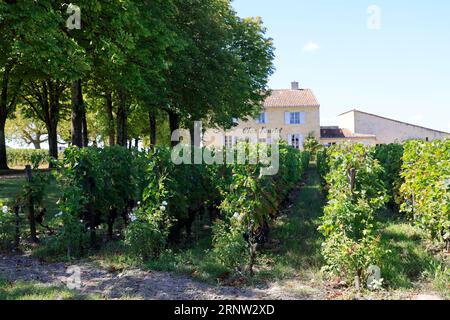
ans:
(287, 118)
(265, 118)
(289, 139)
(301, 139)
(302, 118)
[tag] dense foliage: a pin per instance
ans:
(322, 165)
(356, 192)
(239, 200)
(126, 70)
(426, 187)
(99, 186)
(7, 228)
(390, 158)
(251, 199)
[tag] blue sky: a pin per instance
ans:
(401, 70)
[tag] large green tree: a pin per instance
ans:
(23, 130)
(222, 69)
(34, 50)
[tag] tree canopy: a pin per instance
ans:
(132, 70)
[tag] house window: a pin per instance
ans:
(295, 117)
(262, 118)
(228, 142)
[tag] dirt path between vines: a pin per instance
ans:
(139, 284)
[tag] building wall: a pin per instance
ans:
(347, 121)
(275, 122)
(387, 131)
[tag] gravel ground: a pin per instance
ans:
(139, 284)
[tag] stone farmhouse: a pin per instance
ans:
(293, 114)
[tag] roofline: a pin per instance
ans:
(398, 121)
(344, 138)
(299, 89)
(297, 105)
(294, 106)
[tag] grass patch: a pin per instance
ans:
(195, 260)
(409, 264)
(295, 247)
(10, 188)
(35, 291)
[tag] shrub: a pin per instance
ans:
(146, 238)
(229, 245)
(390, 158)
(311, 145)
(7, 228)
(356, 192)
(426, 187)
(253, 199)
(322, 165)
(98, 185)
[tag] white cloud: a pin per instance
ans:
(311, 47)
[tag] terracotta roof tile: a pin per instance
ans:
(338, 133)
(291, 98)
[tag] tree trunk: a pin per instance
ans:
(85, 130)
(122, 120)
(77, 114)
(3, 116)
(174, 123)
(152, 118)
(3, 157)
(52, 142)
(37, 143)
(109, 113)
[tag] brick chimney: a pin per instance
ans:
(294, 85)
